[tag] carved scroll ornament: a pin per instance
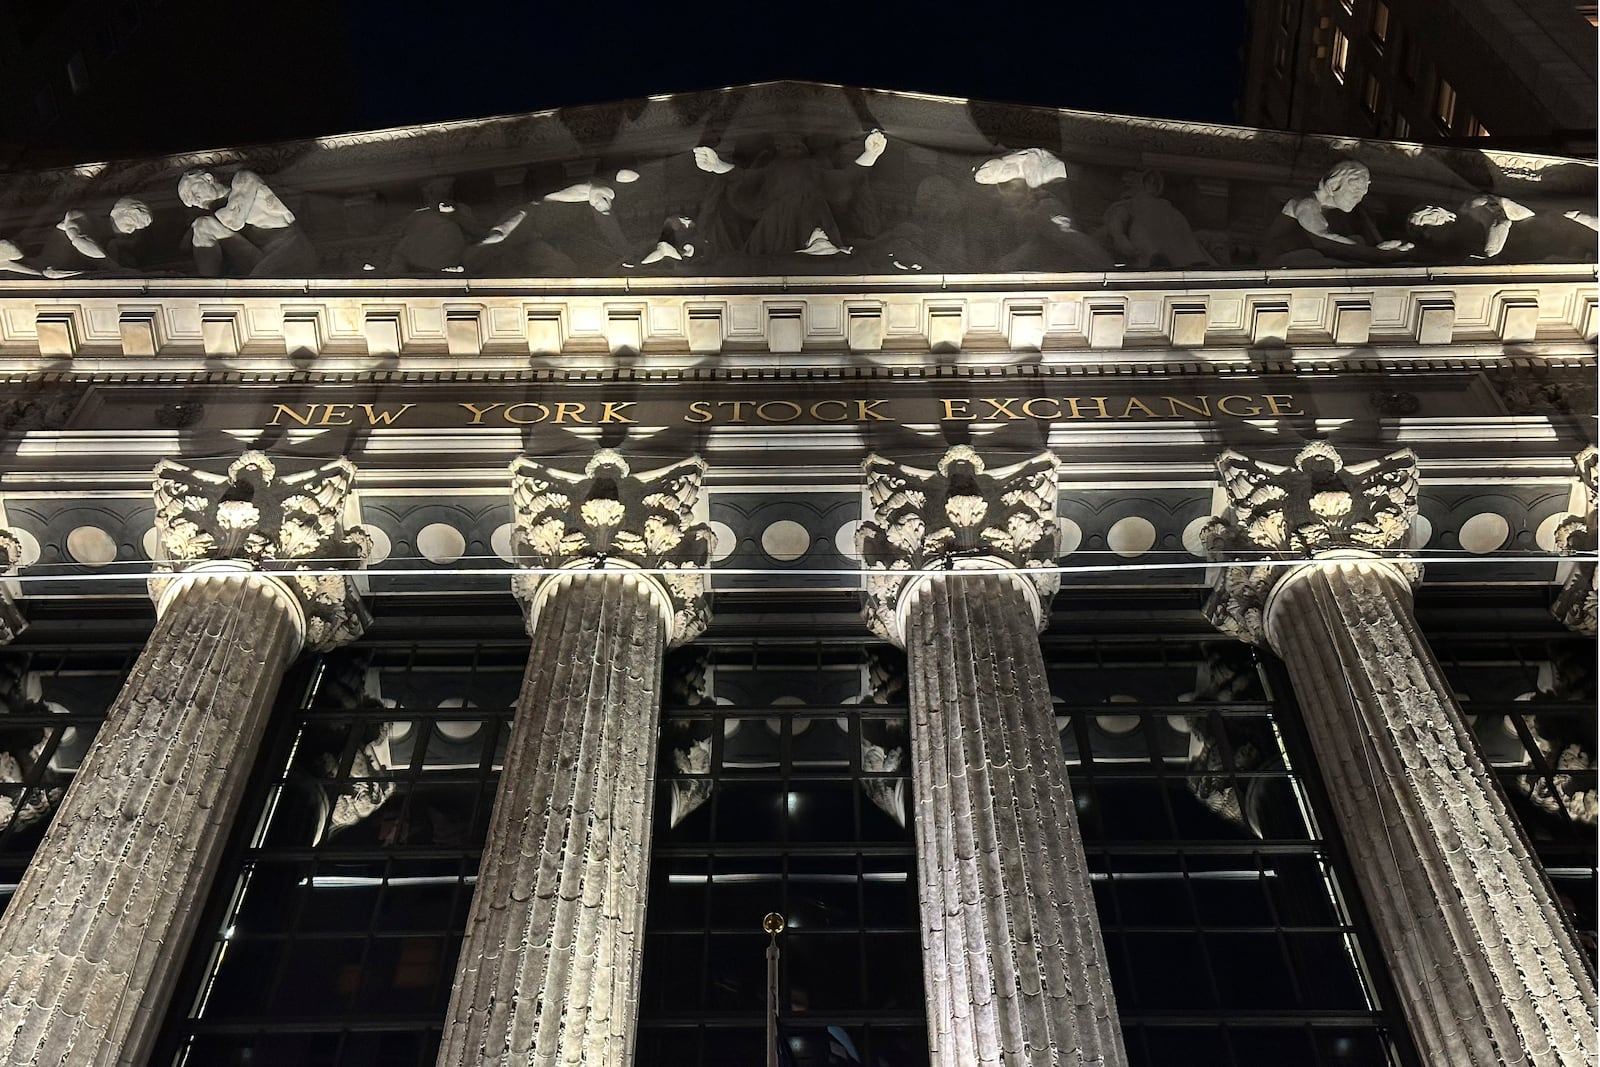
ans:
(1312, 507)
(609, 517)
(959, 515)
(289, 525)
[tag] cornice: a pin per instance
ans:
(1237, 319)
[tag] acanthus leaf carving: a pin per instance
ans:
(960, 513)
(608, 516)
(1313, 506)
(289, 525)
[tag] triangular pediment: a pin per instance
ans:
(794, 178)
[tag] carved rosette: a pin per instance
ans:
(960, 516)
(1316, 507)
(608, 517)
(253, 518)
(11, 621)
(1576, 535)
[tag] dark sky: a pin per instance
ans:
(1166, 58)
(189, 75)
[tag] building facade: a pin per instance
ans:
(1117, 591)
(1511, 74)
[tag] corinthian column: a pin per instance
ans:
(1487, 969)
(1577, 536)
(549, 970)
(1012, 957)
(93, 939)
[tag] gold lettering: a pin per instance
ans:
(285, 409)
(1272, 404)
(335, 411)
(1254, 409)
(477, 412)
(950, 411)
(575, 410)
(738, 407)
(612, 412)
(761, 410)
(1173, 404)
(699, 411)
(844, 411)
(1098, 401)
(1027, 407)
(1133, 401)
(1002, 407)
(865, 412)
(544, 413)
(384, 417)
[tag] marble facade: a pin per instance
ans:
(1293, 377)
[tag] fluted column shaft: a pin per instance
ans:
(1485, 966)
(93, 939)
(549, 969)
(1013, 961)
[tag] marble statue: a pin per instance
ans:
(1031, 166)
(674, 243)
(568, 231)
(252, 233)
(1145, 230)
(436, 236)
(1052, 241)
(1304, 235)
(1478, 228)
(788, 200)
(80, 244)
(11, 262)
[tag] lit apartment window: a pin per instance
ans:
(1341, 54)
(1371, 94)
(1444, 105)
(1380, 24)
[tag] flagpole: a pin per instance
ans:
(772, 923)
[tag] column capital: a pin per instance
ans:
(252, 518)
(1317, 508)
(959, 516)
(607, 517)
(11, 621)
(1576, 535)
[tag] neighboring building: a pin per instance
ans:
(1039, 761)
(1507, 74)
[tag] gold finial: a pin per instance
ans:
(772, 923)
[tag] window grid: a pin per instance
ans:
(347, 897)
(1229, 937)
(790, 806)
(54, 702)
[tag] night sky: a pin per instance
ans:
(1164, 58)
(191, 76)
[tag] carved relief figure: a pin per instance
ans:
(1304, 235)
(566, 231)
(11, 262)
(79, 244)
(436, 236)
(790, 200)
(1145, 230)
(252, 233)
(1034, 167)
(1051, 240)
